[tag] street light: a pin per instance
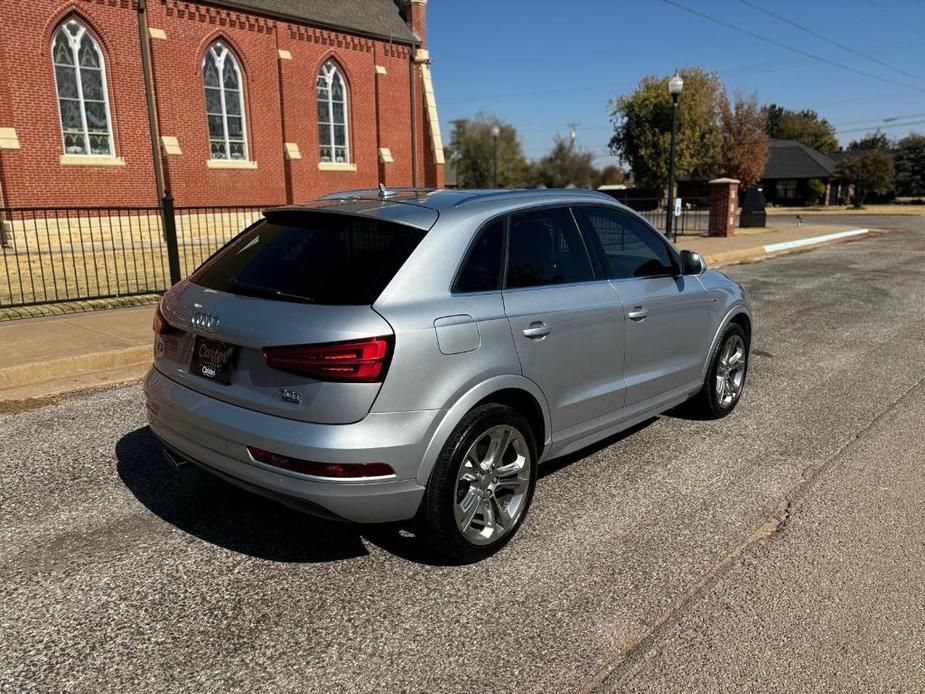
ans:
(675, 85)
(495, 131)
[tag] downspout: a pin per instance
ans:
(414, 128)
(150, 98)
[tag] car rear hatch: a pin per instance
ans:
(281, 319)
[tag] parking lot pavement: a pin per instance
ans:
(684, 555)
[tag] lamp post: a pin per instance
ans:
(495, 131)
(675, 85)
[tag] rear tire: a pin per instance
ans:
(725, 381)
(481, 485)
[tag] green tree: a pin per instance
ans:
(744, 151)
(472, 148)
(612, 175)
(875, 141)
(803, 126)
(868, 172)
(566, 165)
(910, 165)
(642, 127)
(816, 191)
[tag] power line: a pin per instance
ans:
(821, 37)
(779, 44)
(882, 127)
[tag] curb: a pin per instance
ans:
(67, 367)
(783, 248)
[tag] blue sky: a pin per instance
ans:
(541, 64)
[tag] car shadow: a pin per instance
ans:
(554, 466)
(217, 512)
(222, 514)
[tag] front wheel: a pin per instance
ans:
(482, 484)
(725, 379)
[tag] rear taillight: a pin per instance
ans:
(308, 467)
(356, 361)
(161, 326)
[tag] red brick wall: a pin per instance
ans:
(191, 28)
(33, 175)
(279, 106)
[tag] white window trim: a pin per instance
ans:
(220, 63)
(328, 76)
(75, 49)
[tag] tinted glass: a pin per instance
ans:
(482, 270)
(627, 246)
(546, 248)
(320, 258)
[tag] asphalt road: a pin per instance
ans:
(782, 548)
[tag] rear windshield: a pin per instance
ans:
(319, 259)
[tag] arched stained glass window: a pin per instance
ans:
(332, 114)
(224, 103)
(83, 100)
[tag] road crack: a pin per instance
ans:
(773, 525)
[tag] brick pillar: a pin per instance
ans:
(723, 202)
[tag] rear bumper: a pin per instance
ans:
(215, 435)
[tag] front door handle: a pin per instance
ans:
(638, 313)
(537, 330)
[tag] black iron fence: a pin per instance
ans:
(693, 220)
(52, 255)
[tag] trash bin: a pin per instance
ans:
(753, 213)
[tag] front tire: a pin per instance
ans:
(725, 379)
(482, 484)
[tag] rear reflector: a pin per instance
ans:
(356, 361)
(307, 467)
(161, 326)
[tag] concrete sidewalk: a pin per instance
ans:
(44, 357)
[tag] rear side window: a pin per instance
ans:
(312, 258)
(481, 271)
(628, 247)
(546, 248)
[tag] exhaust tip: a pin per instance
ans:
(174, 461)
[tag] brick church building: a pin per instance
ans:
(221, 102)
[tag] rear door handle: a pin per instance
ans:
(537, 330)
(638, 313)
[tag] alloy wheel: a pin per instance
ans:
(492, 485)
(730, 371)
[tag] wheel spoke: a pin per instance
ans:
(500, 440)
(488, 513)
(469, 506)
(502, 516)
(513, 483)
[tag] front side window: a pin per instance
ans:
(83, 100)
(628, 248)
(224, 103)
(331, 92)
(546, 248)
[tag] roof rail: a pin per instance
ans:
(526, 193)
(374, 193)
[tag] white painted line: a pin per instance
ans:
(812, 241)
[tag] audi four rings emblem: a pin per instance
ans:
(205, 321)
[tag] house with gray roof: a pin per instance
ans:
(791, 166)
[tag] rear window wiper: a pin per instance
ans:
(261, 290)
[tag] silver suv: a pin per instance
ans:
(381, 356)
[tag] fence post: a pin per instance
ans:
(723, 192)
(170, 237)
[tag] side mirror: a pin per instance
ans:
(692, 263)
